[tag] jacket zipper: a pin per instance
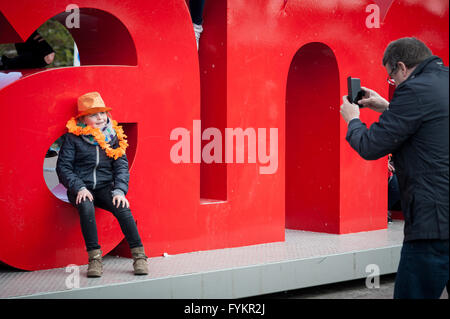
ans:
(97, 160)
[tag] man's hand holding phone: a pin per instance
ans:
(373, 101)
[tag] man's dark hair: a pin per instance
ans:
(410, 51)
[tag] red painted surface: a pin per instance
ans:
(312, 142)
(213, 81)
(280, 64)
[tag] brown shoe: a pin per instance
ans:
(95, 267)
(140, 264)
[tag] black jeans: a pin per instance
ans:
(423, 270)
(103, 199)
(196, 8)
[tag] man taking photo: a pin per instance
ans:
(414, 127)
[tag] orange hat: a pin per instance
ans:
(91, 103)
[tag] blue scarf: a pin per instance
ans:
(107, 130)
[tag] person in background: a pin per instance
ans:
(196, 8)
(394, 202)
(34, 53)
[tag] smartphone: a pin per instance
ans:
(355, 93)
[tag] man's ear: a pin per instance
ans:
(402, 67)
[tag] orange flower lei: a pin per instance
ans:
(100, 137)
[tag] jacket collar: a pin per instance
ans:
(422, 66)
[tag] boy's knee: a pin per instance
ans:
(86, 207)
(123, 212)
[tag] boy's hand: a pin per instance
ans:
(82, 194)
(120, 199)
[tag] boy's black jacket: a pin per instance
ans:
(81, 164)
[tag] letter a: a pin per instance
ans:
(215, 145)
(184, 145)
(373, 19)
(73, 19)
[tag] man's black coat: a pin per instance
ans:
(415, 129)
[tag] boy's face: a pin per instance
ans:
(97, 120)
